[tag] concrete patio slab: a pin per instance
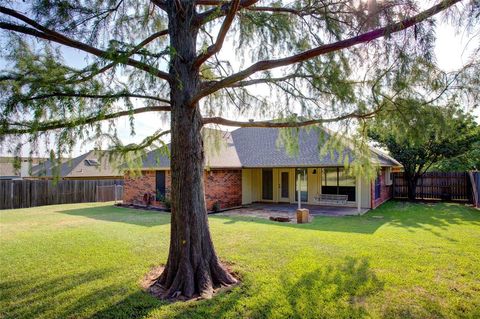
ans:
(266, 210)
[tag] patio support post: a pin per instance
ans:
(299, 199)
(359, 194)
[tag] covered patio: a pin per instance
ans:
(267, 210)
(285, 185)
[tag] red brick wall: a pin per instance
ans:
(224, 186)
(385, 191)
(136, 186)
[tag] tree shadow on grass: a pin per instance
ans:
(348, 224)
(73, 296)
(435, 218)
(142, 305)
(38, 297)
(136, 305)
(412, 216)
(138, 217)
(336, 291)
(313, 292)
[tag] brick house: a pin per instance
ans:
(248, 165)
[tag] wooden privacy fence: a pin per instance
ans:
(30, 193)
(436, 186)
(109, 193)
(475, 180)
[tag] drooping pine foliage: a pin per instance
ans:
(124, 52)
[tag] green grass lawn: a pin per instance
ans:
(87, 260)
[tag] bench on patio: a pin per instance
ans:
(332, 199)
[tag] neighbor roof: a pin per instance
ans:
(90, 164)
(258, 147)
(7, 169)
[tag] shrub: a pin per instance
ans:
(216, 207)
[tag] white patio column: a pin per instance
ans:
(299, 199)
(359, 194)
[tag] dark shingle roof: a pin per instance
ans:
(48, 168)
(259, 147)
(156, 159)
(77, 167)
(223, 155)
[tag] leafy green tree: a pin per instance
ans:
(202, 62)
(469, 161)
(422, 135)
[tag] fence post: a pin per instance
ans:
(115, 191)
(476, 196)
(11, 193)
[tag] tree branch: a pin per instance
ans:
(218, 12)
(273, 123)
(323, 49)
(129, 54)
(211, 2)
(95, 96)
(161, 4)
(34, 127)
(273, 80)
(276, 10)
(217, 46)
(42, 32)
(148, 141)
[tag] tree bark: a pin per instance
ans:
(412, 181)
(192, 267)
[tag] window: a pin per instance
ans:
(160, 185)
(284, 185)
(378, 187)
(346, 184)
(388, 176)
(92, 162)
(302, 184)
(267, 184)
(335, 181)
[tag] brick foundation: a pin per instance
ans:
(222, 186)
(385, 191)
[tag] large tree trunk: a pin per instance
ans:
(193, 267)
(412, 180)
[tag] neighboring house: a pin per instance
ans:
(9, 172)
(91, 165)
(251, 167)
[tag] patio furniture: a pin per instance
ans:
(332, 199)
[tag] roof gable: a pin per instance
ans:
(81, 166)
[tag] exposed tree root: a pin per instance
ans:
(211, 278)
